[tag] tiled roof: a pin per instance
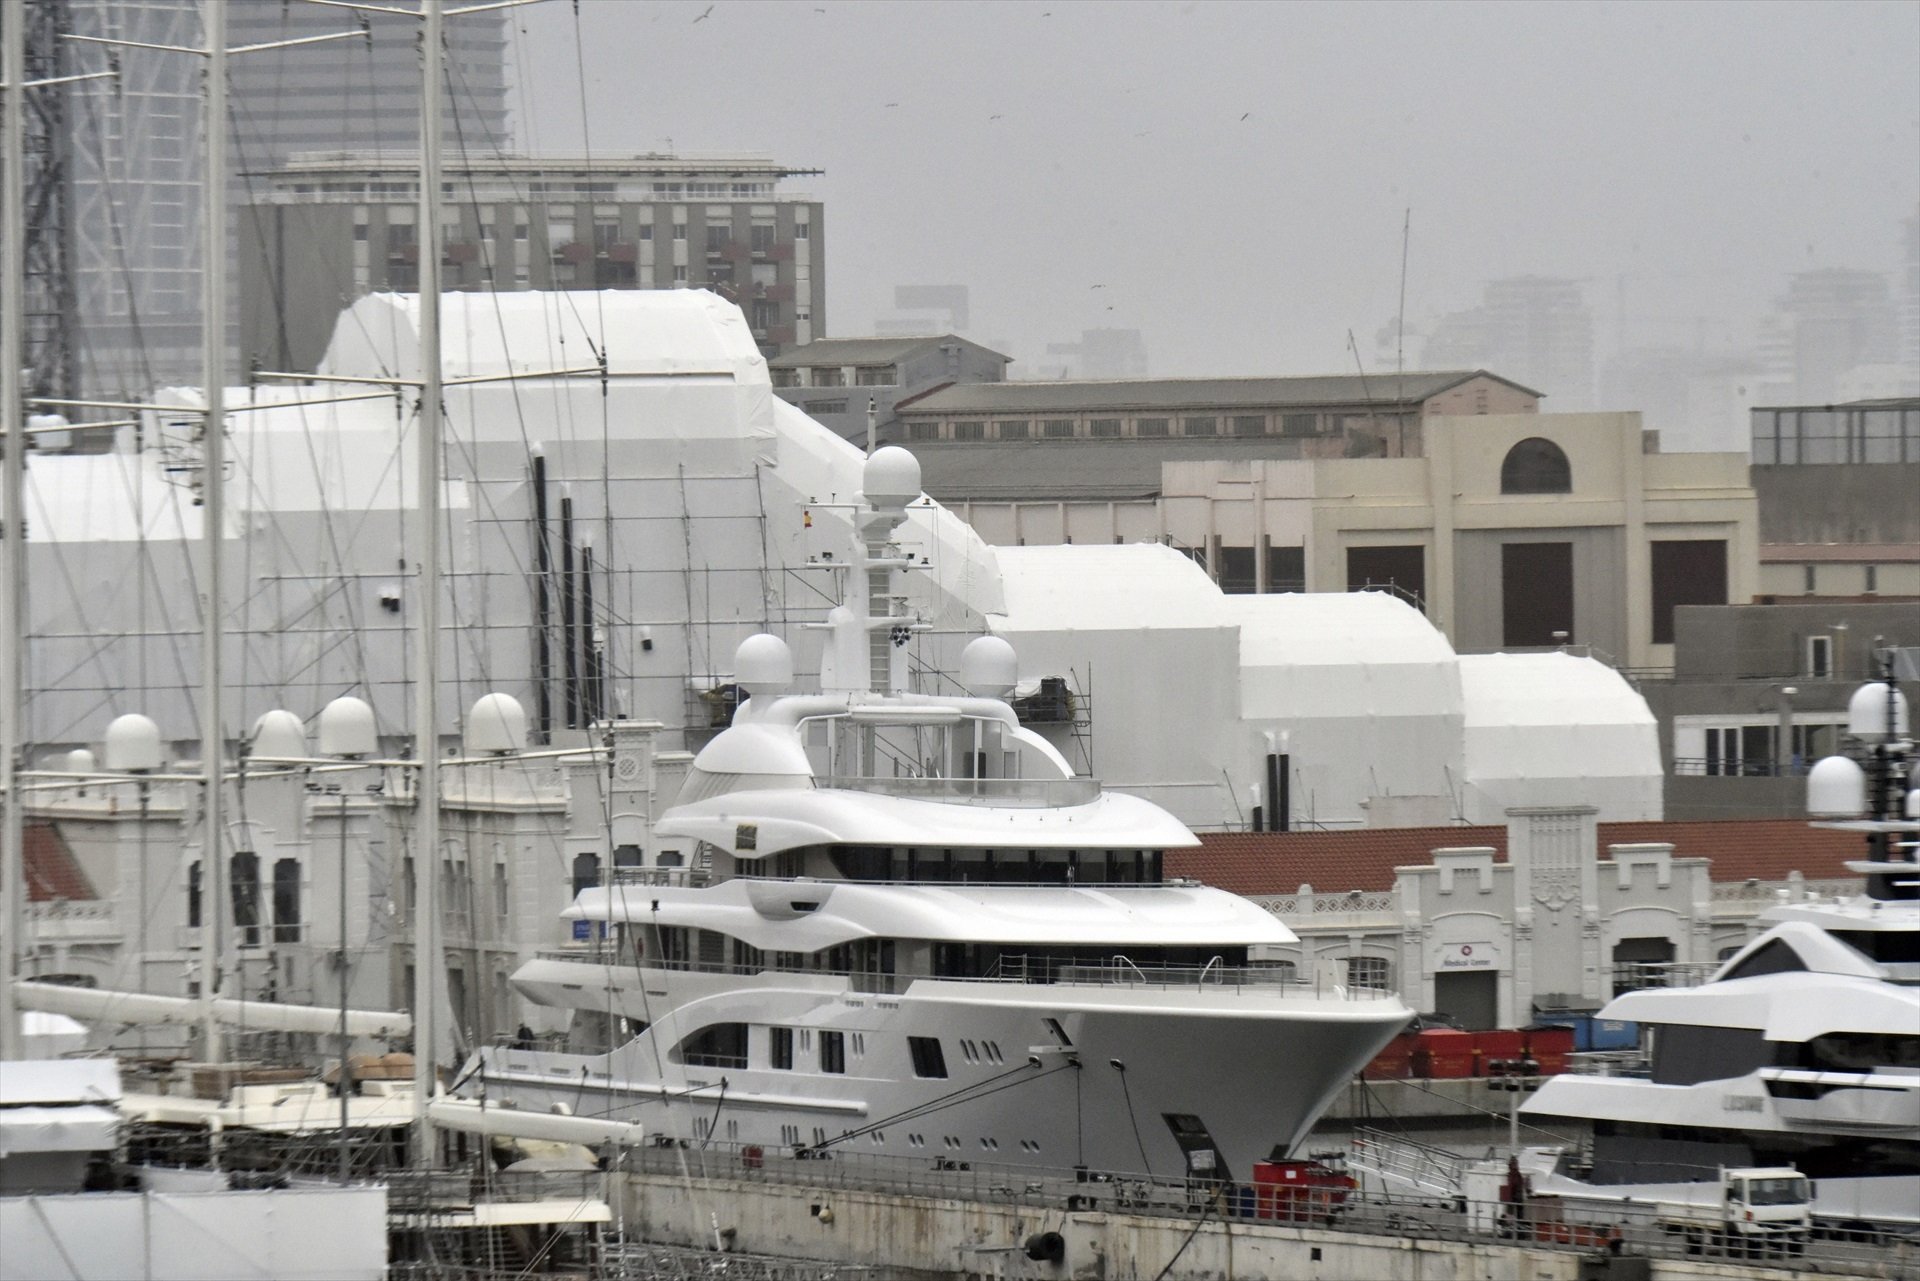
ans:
(862, 351)
(1196, 393)
(53, 874)
(1364, 859)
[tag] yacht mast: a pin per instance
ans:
(213, 340)
(426, 682)
(13, 537)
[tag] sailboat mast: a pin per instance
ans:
(13, 538)
(213, 340)
(426, 687)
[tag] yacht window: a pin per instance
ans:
(721, 1045)
(1888, 947)
(833, 1052)
(1774, 958)
(1860, 1052)
(1050, 867)
(1092, 867)
(780, 1047)
(1685, 1054)
(932, 865)
(900, 864)
(970, 866)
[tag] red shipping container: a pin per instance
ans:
(1549, 1047)
(1500, 1045)
(1394, 1062)
(1444, 1054)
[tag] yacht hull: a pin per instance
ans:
(1057, 1075)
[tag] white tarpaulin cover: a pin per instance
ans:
(1562, 726)
(288, 1234)
(82, 1128)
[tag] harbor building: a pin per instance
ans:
(325, 228)
(1510, 531)
(849, 384)
(1121, 430)
(1547, 913)
(1839, 491)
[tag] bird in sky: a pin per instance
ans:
(996, 117)
(1096, 286)
(704, 13)
(893, 104)
(1243, 117)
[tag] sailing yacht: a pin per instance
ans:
(1801, 1049)
(893, 922)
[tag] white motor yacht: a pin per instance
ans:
(1802, 1049)
(907, 928)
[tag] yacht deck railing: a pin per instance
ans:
(1276, 977)
(1036, 793)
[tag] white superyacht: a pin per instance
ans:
(1802, 1049)
(907, 928)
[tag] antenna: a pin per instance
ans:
(1366, 395)
(1400, 327)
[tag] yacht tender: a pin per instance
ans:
(909, 929)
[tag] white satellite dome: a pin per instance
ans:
(347, 729)
(133, 744)
(891, 477)
(1867, 713)
(279, 735)
(78, 761)
(496, 726)
(763, 664)
(989, 667)
(1836, 788)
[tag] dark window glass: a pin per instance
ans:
(1536, 593)
(1536, 466)
(286, 900)
(1686, 572)
(243, 886)
(722, 1045)
(1286, 569)
(780, 1047)
(1402, 570)
(586, 872)
(928, 1059)
(1686, 1054)
(1775, 958)
(1237, 577)
(833, 1053)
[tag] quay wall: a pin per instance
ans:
(968, 1239)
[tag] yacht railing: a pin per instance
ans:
(694, 878)
(1631, 976)
(1277, 977)
(1034, 793)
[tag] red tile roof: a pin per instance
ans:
(53, 874)
(1364, 859)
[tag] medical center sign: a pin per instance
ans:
(1468, 956)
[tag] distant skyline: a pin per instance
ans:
(1231, 180)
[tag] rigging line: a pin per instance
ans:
(600, 313)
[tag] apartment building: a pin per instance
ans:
(327, 228)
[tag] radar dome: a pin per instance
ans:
(133, 744)
(891, 477)
(279, 735)
(1836, 788)
(78, 761)
(1867, 713)
(763, 664)
(988, 667)
(496, 726)
(346, 728)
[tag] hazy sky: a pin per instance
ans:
(1235, 175)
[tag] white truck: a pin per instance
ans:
(1763, 1210)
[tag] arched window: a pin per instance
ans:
(1536, 466)
(586, 872)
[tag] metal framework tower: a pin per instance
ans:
(51, 342)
